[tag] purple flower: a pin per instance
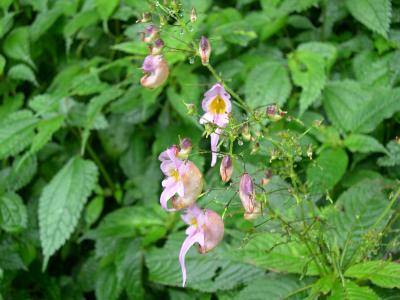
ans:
(217, 105)
(247, 196)
(204, 50)
(183, 179)
(205, 228)
(156, 71)
(226, 168)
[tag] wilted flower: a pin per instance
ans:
(217, 105)
(156, 71)
(186, 147)
(150, 34)
(157, 47)
(247, 196)
(193, 15)
(205, 228)
(204, 50)
(183, 179)
(226, 168)
(274, 113)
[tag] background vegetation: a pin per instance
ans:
(79, 140)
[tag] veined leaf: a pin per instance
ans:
(61, 203)
(13, 214)
(46, 128)
(267, 83)
(308, 72)
(22, 72)
(375, 14)
(351, 291)
(363, 143)
(17, 45)
(16, 132)
(108, 286)
(393, 155)
(383, 273)
(21, 172)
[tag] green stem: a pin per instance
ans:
(386, 211)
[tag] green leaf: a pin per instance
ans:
(382, 273)
(81, 20)
(11, 104)
(94, 209)
(276, 286)
(326, 50)
(133, 47)
(21, 173)
(363, 143)
(16, 132)
(351, 291)
(17, 46)
(308, 72)
(393, 156)
(61, 203)
(6, 23)
(2, 64)
(108, 286)
(355, 108)
(22, 72)
(297, 5)
(273, 252)
(43, 21)
(106, 8)
(13, 213)
(375, 14)
(266, 84)
(327, 170)
(46, 129)
(216, 270)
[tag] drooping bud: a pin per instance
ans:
(213, 231)
(186, 147)
(204, 50)
(193, 15)
(267, 177)
(156, 71)
(157, 47)
(226, 168)
(247, 193)
(150, 34)
(193, 185)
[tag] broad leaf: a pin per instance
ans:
(108, 286)
(23, 73)
(17, 46)
(383, 273)
(61, 203)
(351, 291)
(21, 172)
(375, 14)
(363, 143)
(46, 128)
(267, 83)
(13, 214)
(393, 155)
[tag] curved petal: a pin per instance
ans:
(207, 118)
(187, 243)
(214, 143)
(167, 194)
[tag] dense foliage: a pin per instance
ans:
(315, 91)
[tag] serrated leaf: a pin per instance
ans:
(21, 173)
(17, 45)
(308, 72)
(266, 84)
(363, 143)
(393, 156)
(375, 14)
(62, 201)
(327, 170)
(276, 286)
(10, 259)
(351, 291)
(273, 252)
(353, 107)
(202, 271)
(326, 50)
(106, 8)
(23, 73)
(13, 213)
(382, 273)
(16, 132)
(46, 129)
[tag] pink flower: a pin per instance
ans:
(247, 196)
(217, 105)
(205, 228)
(150, 34)
(183, 179)
(156, 71)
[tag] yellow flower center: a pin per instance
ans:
(193, 222)
(174, 173)
(217, 105)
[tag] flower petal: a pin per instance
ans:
(187, 243)
(214, 143)
(167, 194)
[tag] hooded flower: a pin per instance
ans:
(247, 196)
(205, 228)
(183, 179)
(156, 71)
(217, 105)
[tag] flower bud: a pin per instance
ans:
(186, 147)
(226, 168)
(247, 193)
(156, 71)
(246, 132)
(157, 47)
(204, 50)
(150, 34)
(273, 113)
(193, 185)
(213, 231)
(267, 177)
(193, 15)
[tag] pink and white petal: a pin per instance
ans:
(187, 243)
(167, 166)
(221, 120)
(180, 188)
(214, 143)
(168, 182)
(167, 194)
(163, 155)
(207, 118)
(191, 213)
